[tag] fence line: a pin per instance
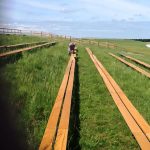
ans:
(58, 37)
(32, 33)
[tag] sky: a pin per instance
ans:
(79, 18)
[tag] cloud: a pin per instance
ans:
(77, 16)
(123, 8)
(49, 6)
(77, 10)
(69, 10)
(39, 4)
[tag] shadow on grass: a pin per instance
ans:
(74, 129)
(11, 135)
(15, 57)
(10, 59)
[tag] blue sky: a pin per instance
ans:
(79, 18)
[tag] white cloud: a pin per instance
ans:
(77, 10)
(41, 5)
(123, 9)
(46, 5)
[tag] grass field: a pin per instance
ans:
(133, 48)
(98, 114)
(135, 85)
(16, 39)
(30, 84)
(29, 88)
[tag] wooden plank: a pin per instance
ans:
(11, 46)
(18, 45)
(62, 133)
(23, 49)
(140, 136)
(50, 131)
(136, 115)
(132, 66)
(137, 61)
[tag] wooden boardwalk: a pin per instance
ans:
(137, 124)
(56, 132)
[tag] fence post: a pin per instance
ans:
(41, 33)
(70, 38)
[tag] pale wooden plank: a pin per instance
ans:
(50, 130)
(133, 125)
(132, 66)
(62, 133)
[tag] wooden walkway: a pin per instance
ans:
(147, 74)
(56, 132)
(137, 124)
(25, 49)
(137, 61)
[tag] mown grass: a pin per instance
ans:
(135, 85)
(101, 124)
(136, 49)
(6, 40)
(30, 84)
(135, 63)
(29, 88)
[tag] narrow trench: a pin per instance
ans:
(74, 127)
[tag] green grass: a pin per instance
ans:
(18, 39)
(135, 85)
(101, 124)
(30, 86)
(133, 48)
(30, 83)
(134, 63)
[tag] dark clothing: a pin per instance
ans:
(72, 46)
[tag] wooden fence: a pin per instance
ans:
(32, 33)
(59, 37)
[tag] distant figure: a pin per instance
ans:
(71, 48)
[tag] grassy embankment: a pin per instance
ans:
(133, 48)
(33, 82)
(109, 123)
(135, 85)
(101, 125)
(29, 87)
(17, 39)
